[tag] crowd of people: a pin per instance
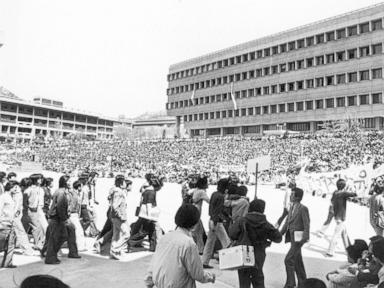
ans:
(175, 159)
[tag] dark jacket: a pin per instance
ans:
(60, 205)
(260, 231)
(299, 221)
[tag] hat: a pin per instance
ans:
(187, 216)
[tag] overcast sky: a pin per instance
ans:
(112, 56)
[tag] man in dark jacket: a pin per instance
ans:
(260, 233)
(296, 230)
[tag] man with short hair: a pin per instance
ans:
(296, 230)
(339, 203)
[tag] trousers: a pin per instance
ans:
(120, 236)
(253, 275)
(340, 231)
(7, 244)
(294, 265)
(80, 239)
(216, 231)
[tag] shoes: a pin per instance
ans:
(97, 247)
(55, 262)
(206, 266)
(328, 255)
(11, 266)
(74, 256)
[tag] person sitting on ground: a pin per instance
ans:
(343, 277)
(176, 262)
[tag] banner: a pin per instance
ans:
(358, 178)
(264, 163)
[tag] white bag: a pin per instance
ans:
(147, 211)
(236, 257)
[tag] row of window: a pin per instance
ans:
(341, 33)
(330, 80)
(364, 51)
(349, 101)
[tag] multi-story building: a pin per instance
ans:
(20, 119)
(296, 80)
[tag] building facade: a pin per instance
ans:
(46, 118)
(294, 80)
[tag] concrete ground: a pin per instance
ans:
(95, 271)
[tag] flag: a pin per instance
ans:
(233, 97)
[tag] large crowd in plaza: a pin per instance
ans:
(36, 217)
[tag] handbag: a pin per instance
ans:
(149, 212)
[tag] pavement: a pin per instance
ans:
(96, 271)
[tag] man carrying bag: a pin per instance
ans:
(254, 230)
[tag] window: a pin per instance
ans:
(291, 66)
(291, 86)
(377, 49)
(189, 118)
(320, 38)
(250, 111)
(300, 43)
(238, 77)
(309, 62)
(377, 73)
(243, 112)
(259, 53)
(300, 64)
(320, 104)
(274, 69)
(364, 99)
(252, 55)
(244, 76)
(251, 92)
(283, 67)
(291, 46)
(330, 103)
(352, 30)
(309, 105)
(185, 118)
(259, 72)
(352, 53)
(340, 102)
(330, 58)
(267, 52)
(273, 109)
(320, 60)
(364, 75)
(205, 116)
(282, 108)
(377, 98)
(266, 71)
(364, 51)
(340, 56)
(320, 82)
(299, 106)
(330, 36)
(207, 100)
(224, 114)
(364, 28)
(217, 115)
(283, 48)
(275, 50)
(291, 107)
(377, 25)
(282, 87)
(274, 89)
(340, 79)
(330, 80)
(258, 110)
(252, 74)
(266, 90)
(195, 117)
(245, 57)
(352, 77)
(258, 91)
(352, 101)
(212, 115)
(340, 33)
(310, 41)
(300, 85)
(243, 93)
(232, 61)
(237, 94)
(201, 116)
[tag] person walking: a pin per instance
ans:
(255, 227)
(176, 262)
(216, 226)
(75, 209)
(339, 203)
(296, 230)
(60, 229)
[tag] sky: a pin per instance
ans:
(112, 56)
